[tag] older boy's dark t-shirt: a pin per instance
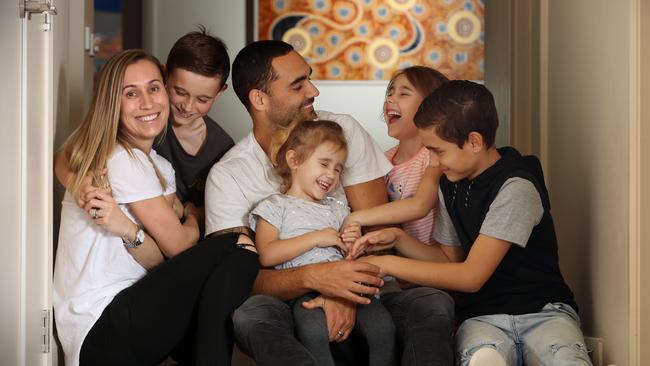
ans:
(528, 276)
(192, 171)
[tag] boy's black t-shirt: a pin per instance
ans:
(192, 171)
(528, 277)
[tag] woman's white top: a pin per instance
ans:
(92, 265)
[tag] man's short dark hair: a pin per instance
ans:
(200, 53)
(457, 108)
(253, 68)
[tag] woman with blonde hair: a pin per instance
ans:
(117, 300)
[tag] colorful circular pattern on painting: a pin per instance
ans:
(464, 27)
(299, 39)
(382, 53)
(401, 5)
(371, 39)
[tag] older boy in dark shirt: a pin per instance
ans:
(495, 222)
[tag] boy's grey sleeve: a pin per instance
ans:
(443, 230)
(515, 211)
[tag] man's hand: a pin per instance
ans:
(340, 315)
(374, 242)
(345, 279)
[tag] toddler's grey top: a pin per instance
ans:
(294, 216)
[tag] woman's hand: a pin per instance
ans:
(106, 213)
(374, 242)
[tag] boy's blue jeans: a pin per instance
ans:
(550, 337)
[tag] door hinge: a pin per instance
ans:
(28, 7)
(45, 331)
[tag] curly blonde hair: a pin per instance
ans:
(304, 139)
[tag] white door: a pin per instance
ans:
(25, 191)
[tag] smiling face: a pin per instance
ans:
(455, 162)
(191, 95)
(291, 95)
(145, 106)
(402, 101)
(317, 175)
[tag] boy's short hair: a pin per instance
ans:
(253, 67)
(200, 53)
(457, 108)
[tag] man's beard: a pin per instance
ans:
(287, 120)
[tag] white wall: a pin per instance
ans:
(167, 20)
(363, 100)
(11, 322)
(588, 119)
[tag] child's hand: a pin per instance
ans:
(377, 260)
(434, 162)
(350, 232)
(92, 181)
(189, 209)
(329, 238)
(177, 206)
(373, 242)
(350, 218)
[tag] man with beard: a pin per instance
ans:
(273, 83)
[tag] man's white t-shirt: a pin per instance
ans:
(92, 265)
(244, 176)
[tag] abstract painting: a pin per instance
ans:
(371, 39)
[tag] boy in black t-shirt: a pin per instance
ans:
(197, 69)
(495, 232)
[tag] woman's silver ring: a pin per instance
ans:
(339, 334)
(93, 213)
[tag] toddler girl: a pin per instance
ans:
(301, 227)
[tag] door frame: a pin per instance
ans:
(26, 221)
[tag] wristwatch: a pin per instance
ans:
(139, 239)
